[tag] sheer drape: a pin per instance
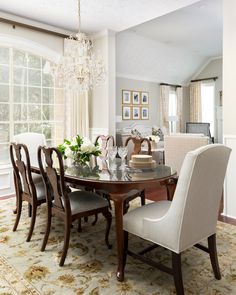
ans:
(179, 96)
(164, 106)
(195, 102)
(77, 111)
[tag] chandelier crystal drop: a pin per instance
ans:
(79, 68)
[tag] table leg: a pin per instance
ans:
(118, 200)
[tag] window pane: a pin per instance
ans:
(20, 128)
(4, 133)
(19, 58)
(35, 127)
(4, 55)
(34, 61)
(34, 112)
(48, 130)
(48, 95)
(47, 113)
(34, 77)
(19, 76)
(4, 112)
(4, 155)
(4, 93)
(47, 80)
(20, 94)
(59, 96)
(4, 74)
(34, 95)
(20, 112)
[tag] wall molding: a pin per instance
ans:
(29, 46)
(230, 184)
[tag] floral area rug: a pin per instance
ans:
(90, 268)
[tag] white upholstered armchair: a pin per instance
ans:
(190, 217)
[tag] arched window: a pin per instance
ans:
(30, 101)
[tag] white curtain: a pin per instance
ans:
(195, 102)
(179, 96)
(77, 110)
(164, 106)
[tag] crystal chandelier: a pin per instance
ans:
(79, 68)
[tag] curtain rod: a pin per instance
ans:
(205, 79)
(166, 84)
(15, 23)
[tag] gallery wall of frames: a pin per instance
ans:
(135, 105)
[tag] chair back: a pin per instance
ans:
(177, 146)
(32, 140)
(20, 160)
(135, 144)
(104, 142)
(54, 179)
(194, 210)
(199, 127)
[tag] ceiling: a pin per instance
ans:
(198, 28)
(96, 15)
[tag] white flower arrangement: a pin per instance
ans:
(79, 149)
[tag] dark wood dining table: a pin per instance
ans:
(117, 182)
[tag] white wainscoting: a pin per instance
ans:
(6, 181)
(94, 132)
(230, 179)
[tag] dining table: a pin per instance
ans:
(116, 179)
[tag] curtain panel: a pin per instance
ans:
(164, 106)
(77, 110)
(195, 102)
(179, 96)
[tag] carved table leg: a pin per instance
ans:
(118, 200)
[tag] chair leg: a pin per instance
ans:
(177, 273)
(126, 239)
(46, 235)
(32, 223)
(66, 242)
(18, 212)
(86, 219)
(95, 219)
(29, 210)
(213, 256)
(107, 214)
(142, 196)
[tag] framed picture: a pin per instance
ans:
(144, 113)
(126, 113)
(144, 98)
(135, 97)
(126, 96)
(136, 113)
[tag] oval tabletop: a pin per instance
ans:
(106, 172)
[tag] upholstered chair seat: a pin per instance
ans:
(133, 222)
(82, 201)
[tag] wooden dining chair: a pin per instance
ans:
(134, 145)
(67, 205)
(29, 187)
(104, 141)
